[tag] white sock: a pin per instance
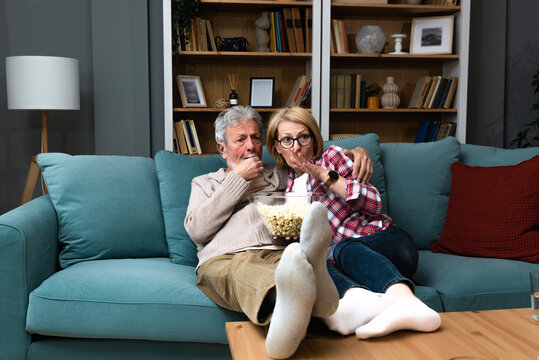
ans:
(315, 238)
(357, 307)
(404, 314)
(296, 292)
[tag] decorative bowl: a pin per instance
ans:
(283, 212)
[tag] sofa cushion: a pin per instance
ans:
(175, 173)
(493, 212)
(148, 299)
(478, 155)
(418, 180)
(107, 206)
(470, 283)
(371, 143)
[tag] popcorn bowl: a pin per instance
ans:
(283, 212)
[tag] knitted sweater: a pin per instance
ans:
(219, 217)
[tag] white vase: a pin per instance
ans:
(390, 99)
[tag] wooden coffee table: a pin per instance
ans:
(508, 334)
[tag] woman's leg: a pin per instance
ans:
(357, 305)
(377, 260)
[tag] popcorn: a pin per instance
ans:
(283, 220)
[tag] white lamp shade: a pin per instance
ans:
(42, 83)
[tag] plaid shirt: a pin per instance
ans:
(356, 216)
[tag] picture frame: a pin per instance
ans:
(191, 91)
(432, 35)
(261, 93)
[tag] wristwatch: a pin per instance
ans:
(332, 177)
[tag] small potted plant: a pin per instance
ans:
(372, 92)
(183, 11)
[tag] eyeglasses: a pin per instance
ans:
(288, 142)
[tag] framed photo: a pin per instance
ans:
(432, 35)
(191, 91)
(261, 94)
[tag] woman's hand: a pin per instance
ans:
(300, 163)
(362, 164)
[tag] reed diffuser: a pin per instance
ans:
(233, 97)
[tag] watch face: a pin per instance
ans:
(333, 175)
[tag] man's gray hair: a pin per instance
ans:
(233, 116)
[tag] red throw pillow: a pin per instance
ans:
(493, 212)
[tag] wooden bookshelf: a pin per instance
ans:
(232, 18)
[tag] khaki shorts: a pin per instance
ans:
(240, 281)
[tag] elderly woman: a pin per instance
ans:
(370, 260)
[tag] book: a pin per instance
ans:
(425, 93)
(306, 101)
(432, 95)
(443, 131)
(337, 32)
(294, 91)
(291, 37)
(340, 91)
(309, 29)
(421, 131)
(333, 45)
(347, 91)
(175, 142)
(363, 99)
(202, 35)
(188, 137)
(282, 32)
(211, 38)
(357, 100)
(278, 42)
(333, 91)
(181, 137)
(432, 87)
(272, 44)
(344, 37)
(451, 93)
(420, 85)
(195, 136)
(301, 90)
(432, 131)
(445, 93)
(439, 93)
(298, 30)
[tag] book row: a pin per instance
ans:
(199, 37)
(301, 92)
(347, 91)
(339, 39)
(433, 92)
(290, 31)
(434, 130)
(185, 137)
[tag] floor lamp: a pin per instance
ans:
(41, 83)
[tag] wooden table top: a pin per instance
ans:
(508, 334)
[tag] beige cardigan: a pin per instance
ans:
(219, 217)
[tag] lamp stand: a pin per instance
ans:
(33, 171)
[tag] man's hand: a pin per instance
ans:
(362, 164)
(250, 168)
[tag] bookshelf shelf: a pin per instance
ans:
(255, 5)
(218, 110)
(398, 110)
(394, 10)
(391, 57)
(243, 54)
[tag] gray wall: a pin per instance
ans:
(118, 44)
(504, 56)
(111, 41)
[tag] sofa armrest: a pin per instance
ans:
(28, 255)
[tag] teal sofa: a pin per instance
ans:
(102, 268)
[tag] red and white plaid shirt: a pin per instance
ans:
(356, 216)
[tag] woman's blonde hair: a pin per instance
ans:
(298, 115)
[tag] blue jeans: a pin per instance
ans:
(374, 262)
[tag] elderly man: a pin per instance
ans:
(241, 267)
